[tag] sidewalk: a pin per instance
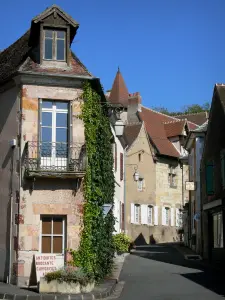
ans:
(102, 290)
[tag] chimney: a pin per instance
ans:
(134, 106)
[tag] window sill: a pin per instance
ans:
(54, 64)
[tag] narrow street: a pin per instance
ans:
(160, 272)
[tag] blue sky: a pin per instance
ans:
(171, 51)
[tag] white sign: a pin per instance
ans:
(46, 263)
(190, 185)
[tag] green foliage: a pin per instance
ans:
(96, 250)
(121, 242)
(188, 109)
(70, 274)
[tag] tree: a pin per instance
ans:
(188, 109)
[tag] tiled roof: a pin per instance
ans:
(119, 93)
(131, 132)
(154, 123)
(21, 55)
(202, 128)
(198, 118)
(174, 128)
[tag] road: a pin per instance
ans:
(160, 272)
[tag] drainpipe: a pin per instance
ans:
(12, 144)
(124, 189)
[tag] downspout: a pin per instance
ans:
(124, 187)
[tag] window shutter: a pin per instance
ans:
(144, 214)
(156, 213)
(132, 213)
(163, 215)
(172, 217)
(209, 179)
(177, 217)
(115, 157)
(143, 184)
(222, 157)
(121, 166)
(122, 216)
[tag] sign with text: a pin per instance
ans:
(45, 263)
(190, 185)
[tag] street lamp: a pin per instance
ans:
(119, 127)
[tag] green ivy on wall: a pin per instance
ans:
(96, 249)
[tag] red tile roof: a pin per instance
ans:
(174, 128)
(119, 93)
(197, 118)
(154, 122)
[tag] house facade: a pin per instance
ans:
(193, 231)
(213, 180)
(42, 142)
(155, 143)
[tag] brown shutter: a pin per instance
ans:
(115, 158)
(121, 166)
(122, 216)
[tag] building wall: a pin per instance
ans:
(146, 167)
(9, 178)
(46, 196)
(119, 183)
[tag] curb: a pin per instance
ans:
(88, 296)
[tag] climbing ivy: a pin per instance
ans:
(96, 248)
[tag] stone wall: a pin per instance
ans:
(45, 196)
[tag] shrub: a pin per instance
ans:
(70, 274)
(121, 242)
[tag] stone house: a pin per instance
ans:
(193, 231)
(155, 143)
(42, 145)
(213, 179)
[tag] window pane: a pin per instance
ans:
(62, 150)
(46, 226)
(60, 50)
(62, 105)
(58, 226)
(48, 49)
(61, 120)
(215, 231)
(48, 33)
(46, 134)
(46, 104)
(61, 135)
(46, 119)
(46, 244)
(57, 244)
(61, 34)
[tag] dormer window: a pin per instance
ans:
(54, 45)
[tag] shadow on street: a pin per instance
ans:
(201, 274)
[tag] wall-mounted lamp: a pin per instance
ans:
(136, 175)
(119, 127)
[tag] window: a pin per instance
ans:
(150, 214)
(121, 166)
(137, 213)
(217, 230)
(54, 45)
(172, 176)
(54, 130)
(52, 234)
(167, 211)
(140, 184)
(209, 179)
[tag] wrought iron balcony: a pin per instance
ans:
(54, 159)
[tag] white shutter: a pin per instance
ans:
(132, 213)
(172, 217)
(156, 213)
(144, 214)
(177, 217)
(163, 215)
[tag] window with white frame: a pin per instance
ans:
(150, 214)
(137, 213)
(172, 176)
(52, 234)
(140, 184)
(167, 217)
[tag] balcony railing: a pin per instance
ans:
(54, 159)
